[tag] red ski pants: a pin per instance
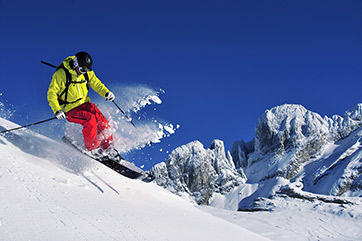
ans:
(96, 129)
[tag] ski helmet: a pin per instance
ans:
(84, 60)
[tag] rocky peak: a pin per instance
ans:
(288, 126)
(287, 136)
(198, 171)
(354, 113)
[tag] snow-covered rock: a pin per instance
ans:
(288, 136)
(341, 127)
(285, 137)
(192, 169)
(339, 171)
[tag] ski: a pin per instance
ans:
(118, 164)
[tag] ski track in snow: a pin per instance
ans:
(29, 180)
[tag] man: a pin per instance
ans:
(68, 98)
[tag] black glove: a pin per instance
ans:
(110, 96)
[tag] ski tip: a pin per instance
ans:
(147, 177)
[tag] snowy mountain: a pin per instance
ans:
(49, 191)
(296, 154)
(198, 172)
(322, 154)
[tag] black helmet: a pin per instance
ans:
(84, 60)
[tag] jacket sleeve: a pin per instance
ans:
(97, 85)
(53, 91)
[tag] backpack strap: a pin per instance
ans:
(86, 79)
(67, 84)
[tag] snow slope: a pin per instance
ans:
(296, 219)
(49, 191)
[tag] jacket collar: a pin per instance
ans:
(68, 64)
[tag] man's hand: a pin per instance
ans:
(60, 114)
(110, 96)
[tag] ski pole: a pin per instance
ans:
(33, 124)
(149, 143)
(124, 114)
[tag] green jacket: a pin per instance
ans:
(77, 93)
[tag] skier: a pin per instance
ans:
(68, 98)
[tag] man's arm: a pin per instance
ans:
(53, 90)
(97, 85)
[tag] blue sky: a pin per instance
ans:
(220, 63)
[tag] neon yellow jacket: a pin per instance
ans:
(77, 93)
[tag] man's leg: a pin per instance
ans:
(104, 130)
(88, 121)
